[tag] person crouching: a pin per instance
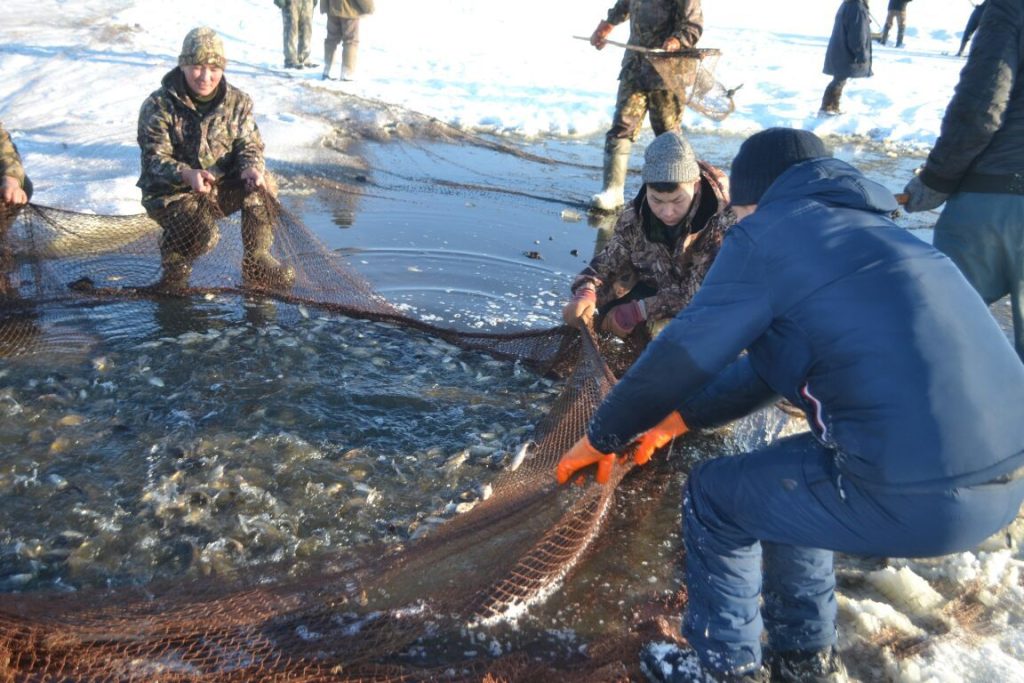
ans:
(198, 136)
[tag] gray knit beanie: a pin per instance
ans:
(670, 159)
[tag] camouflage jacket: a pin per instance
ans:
(174, 136)
(651, 23)
(10, 160)
(630, 257)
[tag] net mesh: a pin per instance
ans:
(691, 75)
(357, 614)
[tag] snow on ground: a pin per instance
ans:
(73, 75)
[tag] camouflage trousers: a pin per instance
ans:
(190, 223)
(664, 108)
(298, 30)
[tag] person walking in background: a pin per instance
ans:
(911, 393)
(298, 31)
(977, 165)
(15, 192)
(663, 244)
(343, 27)
(671, 25)
(848, 54)
(197, 136)
(973, 22)
(897, 12)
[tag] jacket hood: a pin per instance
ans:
(831, 182)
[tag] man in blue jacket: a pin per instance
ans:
(911, 391)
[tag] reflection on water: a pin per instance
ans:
(200, 437)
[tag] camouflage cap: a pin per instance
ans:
(202, 45)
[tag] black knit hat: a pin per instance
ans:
(764, 156)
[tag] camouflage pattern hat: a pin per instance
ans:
(202, 45)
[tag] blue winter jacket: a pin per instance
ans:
(899, 366)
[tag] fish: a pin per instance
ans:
(520, 455)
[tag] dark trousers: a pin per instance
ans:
(787, 506)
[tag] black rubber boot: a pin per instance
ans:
(818, 666)
(259, 268)
(175, 273)
(669, 663)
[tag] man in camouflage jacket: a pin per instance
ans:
(664, 243)
(198, 136)
(15, 191)
(671, 25)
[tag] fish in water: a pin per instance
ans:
(520, 455)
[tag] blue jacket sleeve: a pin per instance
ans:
(730, 311)
(735, 392)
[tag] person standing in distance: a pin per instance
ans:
(671, 25)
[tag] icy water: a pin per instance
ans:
(160, 451)
(200, 437)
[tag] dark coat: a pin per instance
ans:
(982, 136)
(898, 5)
(896, 361)
(849, 48)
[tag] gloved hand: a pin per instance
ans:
(920, 197)
(581, 455)
(672, 44)
(622, 319)
(600, 36)
(659, 435)
(582, 306)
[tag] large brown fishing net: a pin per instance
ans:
(366, 614)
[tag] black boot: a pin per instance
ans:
(259, 268)
(830, 99)
(669, 663)
(175, 272)
(817, 666)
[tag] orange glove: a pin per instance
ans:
(659, 435)
(581, 455)
(600, 35)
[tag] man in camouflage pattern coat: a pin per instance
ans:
(198, 136)
(297, 16)
(663, 244)
(15, 191)
(671, 25)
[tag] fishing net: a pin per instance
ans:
(368, 613)
(690, 74)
